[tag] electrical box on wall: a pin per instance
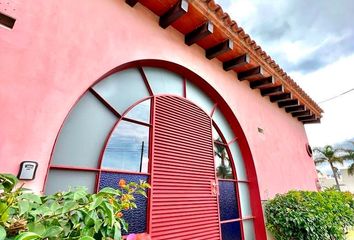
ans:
(27, 170)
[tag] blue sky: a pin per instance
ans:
(313, 41)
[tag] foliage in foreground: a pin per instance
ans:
(305, 215)
(65, 215)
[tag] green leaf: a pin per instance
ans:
(87, 231)
(117, 232)
(3, 207)
(5, 212)
(145, 185)
(98, 224)
(55, 206)
(70, 205)
(31, 197)
(96, 202)
(2, 233)
(8, 182)
(36, 228)
(108, 210)
(66, 229)
(79, 194)
(28, 236)
(141, 192)
(53, 231)
(108, 190)
(24, 207)
(41, 210)
(76, 217)
(86, 238)
(90, 218)
(124, 224)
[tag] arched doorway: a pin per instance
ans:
(145, 122)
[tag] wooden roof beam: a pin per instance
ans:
(219, 49)
(262, 82)
(301, 113)
(199, 33)
(307, 118)
(318, 120)
(272, 91)
(295, 109)
(250, 74)
(236, 62)
(281, 97)
(131, 3)
(6, 20)
(174, 13)
(288, 103)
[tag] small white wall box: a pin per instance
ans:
(27, 170)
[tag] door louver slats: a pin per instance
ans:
(183, 206)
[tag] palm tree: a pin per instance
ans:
(331, 155)
(351, 169)
(223, 170)
(350, 156)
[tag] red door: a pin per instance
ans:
(184, 203)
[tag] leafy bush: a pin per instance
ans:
(304, 215)
(65, 215)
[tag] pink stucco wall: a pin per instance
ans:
(57, 49)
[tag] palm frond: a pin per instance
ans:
(320, 160)
(332, 155)
(349, 156)
(351, 169)
(335, 159)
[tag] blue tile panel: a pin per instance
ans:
(227, 201)
(231, 231)
(135, 217)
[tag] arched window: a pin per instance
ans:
(152, 124)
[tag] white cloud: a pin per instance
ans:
(297, 51)
(338, 119)
(328, 81)
(315, 38)
(337, 123)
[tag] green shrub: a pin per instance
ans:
(305, 215)
(73, 214)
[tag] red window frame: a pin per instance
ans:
(219, 103)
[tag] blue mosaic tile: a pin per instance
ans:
(227, 201)
(231, 231)
(135, 217)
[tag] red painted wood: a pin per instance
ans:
(182, 204)
(141, 70)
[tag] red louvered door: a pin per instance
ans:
(184, 200)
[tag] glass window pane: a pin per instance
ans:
(122, 89)
(216, 136)
(63, 180)
(84, 132)
(223, 125)
(164, 82)
(128, 148)
(248, 230)
(245, 200)
(227, 201)
(136, 218)
(231, 231)
(238, 161)
(140, 112)
(197, 96)
(222, 162)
